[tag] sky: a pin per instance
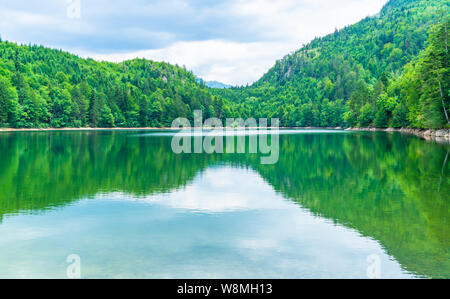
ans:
(233, 41)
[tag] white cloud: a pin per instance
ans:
(233, 41)
(286, 24)
(211, 192)
(298, 21)
(24, 18)
(225, 61)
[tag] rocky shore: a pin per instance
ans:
(441, 136)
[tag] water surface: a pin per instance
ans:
(131, 208)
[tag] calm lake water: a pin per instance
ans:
(336, 205)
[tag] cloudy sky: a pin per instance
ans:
(232, 41)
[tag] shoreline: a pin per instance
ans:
(77, 129)
(441, 136)
(151, 129)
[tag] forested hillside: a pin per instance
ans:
(423, 89)
(391, 69)
(41, 87)
(353, 77)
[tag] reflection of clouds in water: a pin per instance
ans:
(228, 223)
(258, 244)
(217, 190)
(28, 233)
(250, 132)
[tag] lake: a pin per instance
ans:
(336, 205)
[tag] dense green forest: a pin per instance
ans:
(391, 69)
(40, 87)
(359, 76)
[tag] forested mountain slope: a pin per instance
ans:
(391, 69)
(344, 79)
(41, 87)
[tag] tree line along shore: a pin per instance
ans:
(388, 70)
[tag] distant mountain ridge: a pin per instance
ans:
(214, 84)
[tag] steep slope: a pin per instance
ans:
(384, 43)
(352, 77)
(330, 80)
(424, 88)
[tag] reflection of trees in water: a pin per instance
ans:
(382, 186)
(388, 187)
(443, 169)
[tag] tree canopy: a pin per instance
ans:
(387, 70)
(391, 69)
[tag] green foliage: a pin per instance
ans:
(400, 116)
(358, 66)
(41, 87)
(5, 100)
(106, 119)
(366, 116)
(379, 62)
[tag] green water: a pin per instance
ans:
(129, 207)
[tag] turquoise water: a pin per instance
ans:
(130, 208)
